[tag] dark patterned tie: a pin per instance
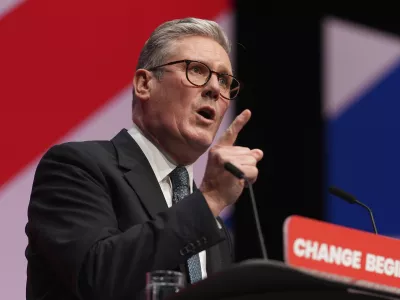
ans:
(180, 189)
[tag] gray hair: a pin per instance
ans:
(158, 46)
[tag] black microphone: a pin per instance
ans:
(352, 200)
(239, 174)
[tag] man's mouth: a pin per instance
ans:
(207, 112)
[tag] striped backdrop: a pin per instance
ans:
(66, 69)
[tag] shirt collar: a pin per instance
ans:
(159, 162)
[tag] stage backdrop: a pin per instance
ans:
(362, 110)
(66, 73)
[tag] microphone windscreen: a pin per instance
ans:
(342, 194)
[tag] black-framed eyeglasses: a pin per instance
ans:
(198, 74)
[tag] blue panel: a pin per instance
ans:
(363, 158)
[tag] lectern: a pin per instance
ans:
(267, 279)
(321, 260)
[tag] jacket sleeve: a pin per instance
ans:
(73, 227)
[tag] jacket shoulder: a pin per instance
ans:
(81, 149)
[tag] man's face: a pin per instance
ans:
(175, 109)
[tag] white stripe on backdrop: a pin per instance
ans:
(6, 6)
(369, 54)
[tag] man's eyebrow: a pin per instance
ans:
(224, 70)
(220, 68)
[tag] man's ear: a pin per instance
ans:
(141, 84)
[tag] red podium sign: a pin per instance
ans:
(338, 250)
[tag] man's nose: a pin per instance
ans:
(212, 88)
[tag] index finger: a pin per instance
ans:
(228, 138)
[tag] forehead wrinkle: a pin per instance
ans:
(194, 49)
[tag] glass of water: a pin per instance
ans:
(162, 284)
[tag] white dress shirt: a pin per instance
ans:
(162, 167)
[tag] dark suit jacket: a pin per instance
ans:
(98, 221)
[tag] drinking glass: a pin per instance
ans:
(162, 284)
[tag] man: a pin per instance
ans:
(103, 213)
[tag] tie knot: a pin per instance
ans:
(180, 183)
(179, 177)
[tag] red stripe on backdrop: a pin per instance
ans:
(62, 60)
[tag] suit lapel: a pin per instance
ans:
(149, 192)
(143, 181)
(139, 173)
